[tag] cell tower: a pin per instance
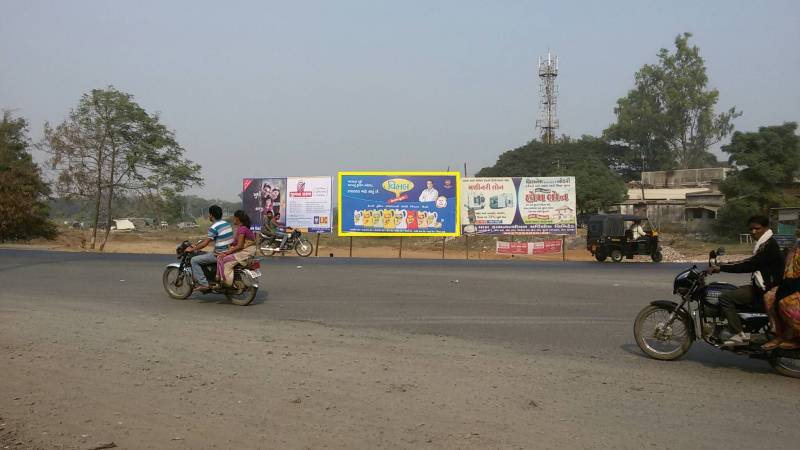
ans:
(547, 123)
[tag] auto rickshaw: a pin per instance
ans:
(611, 236)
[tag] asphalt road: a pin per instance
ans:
(580, 308)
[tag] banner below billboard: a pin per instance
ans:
(529, 248)
(398, 204)
(297, 202)
(518, 205)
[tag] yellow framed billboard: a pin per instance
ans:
(399, 204)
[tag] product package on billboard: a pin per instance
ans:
(297, 202)
(518, 205)
(398, 203)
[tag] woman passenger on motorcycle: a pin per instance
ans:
(787, 328)
(243, 248)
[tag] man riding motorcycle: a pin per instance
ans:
(221, 233)
(273, 229)
(766, 266)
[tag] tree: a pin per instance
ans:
(668, 120)
(764, 162)
(596, 186)
(109, 146)
(23, 193)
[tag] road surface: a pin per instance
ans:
(570, 321)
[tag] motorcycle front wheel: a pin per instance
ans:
(177, 284)
(786, 362)
(658, 340)
(304, 247)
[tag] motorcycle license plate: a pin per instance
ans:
(253, 273)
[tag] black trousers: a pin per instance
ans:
(743, 295)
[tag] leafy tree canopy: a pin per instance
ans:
(110, 146)
(668, 121)
(23, 193)
(764, 163)
(596, 185)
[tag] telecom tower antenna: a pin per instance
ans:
(547, 123)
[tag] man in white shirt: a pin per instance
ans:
(430, 194)
(637, 230)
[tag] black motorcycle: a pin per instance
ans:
(179, 282)
(269, 245)
(665, 330)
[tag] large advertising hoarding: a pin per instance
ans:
(297, 202)
(530, 205)
(398, 204)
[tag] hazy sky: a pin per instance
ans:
(310, 88)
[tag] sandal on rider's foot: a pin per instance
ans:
(789, 345)
(772, 345)
(202, 288)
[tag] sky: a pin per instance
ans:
(303, 88)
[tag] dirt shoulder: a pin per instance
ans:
(82, 377)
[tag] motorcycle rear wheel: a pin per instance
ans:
(245, 298)
(786, 363)
(664, 345)
(265, 248)
(170, 279)
(304, 247)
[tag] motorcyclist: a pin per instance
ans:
(274, 230)
(221, 233)
(766, 266)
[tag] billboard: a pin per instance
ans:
(398, 204)
(297, 202)
(518, 205)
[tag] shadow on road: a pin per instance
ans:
(710, 357)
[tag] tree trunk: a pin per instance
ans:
(108, 212)
(96, 214)
(110, 192)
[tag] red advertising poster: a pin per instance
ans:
(529, 248)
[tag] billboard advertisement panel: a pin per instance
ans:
(398, 204)
(518, 205)
(297, 202)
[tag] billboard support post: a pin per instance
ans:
(351, 246)
(316, 247)
(444, 244)
(563, 248)
(400, 255)
(466, 237)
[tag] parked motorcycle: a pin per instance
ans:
(269, 245)
(665, 330)
(179, 282)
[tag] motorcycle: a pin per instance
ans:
(179, 282)
(269, 245)
(665, 330)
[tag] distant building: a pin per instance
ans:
(685, 200)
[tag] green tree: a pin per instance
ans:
(23, 193)
(110, 146)
(596, 185)
(668, 120)
(764, 163)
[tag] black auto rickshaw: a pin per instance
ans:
(612, 235)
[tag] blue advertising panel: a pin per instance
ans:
(399, 204)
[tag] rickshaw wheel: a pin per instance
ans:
(616, 255)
